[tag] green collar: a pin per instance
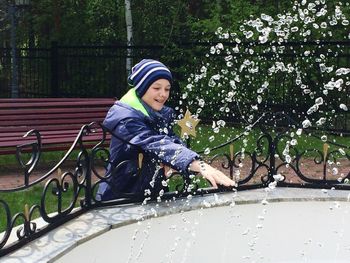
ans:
(131, 99)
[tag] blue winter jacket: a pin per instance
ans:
(138, 128)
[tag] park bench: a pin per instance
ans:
(58, 120)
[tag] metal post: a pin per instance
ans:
(14, 62)
(129, 35)
(272, 151)
(55, 92)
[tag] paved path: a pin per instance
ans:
(13, 179)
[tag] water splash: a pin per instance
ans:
(265, 45)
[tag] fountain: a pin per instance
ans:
(244, 230)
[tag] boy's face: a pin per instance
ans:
(157, 94)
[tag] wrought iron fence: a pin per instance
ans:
(274, 160)
(71, 71)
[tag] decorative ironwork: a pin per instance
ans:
(274, 158)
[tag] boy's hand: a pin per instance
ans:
(214, 176)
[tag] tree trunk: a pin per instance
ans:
(129, 36)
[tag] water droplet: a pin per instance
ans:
(189, 124)
(261, 218)
(206, 204)
(259, 226)
(323, 25)
(278, 177)
(263, 39)
(201, 103)
(249, 34)
(259, 99)
(335, 171)
(211, 83)
(288, 159)
(319, 101)
(266, 18)
(345, 22)
(342, 71)
(312, 109)
(246, 232)
(342, 152)
(343, 107)
(321, 121)
(220, 46)
(293, 142)
(306, 124)
(264, 202)
(272, 185)
(161, 192)
(336, 204)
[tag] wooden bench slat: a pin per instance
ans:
(4, 140)
(41, 128)
(60, 104)
(53, 110)
(59, 140)
(6, 120)
(43, 133)
(24, 100)
(58, 120)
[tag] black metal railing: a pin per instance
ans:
(270, 158)
(71, 71)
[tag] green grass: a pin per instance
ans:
(8, 162)
(30, 197)
(249, 141)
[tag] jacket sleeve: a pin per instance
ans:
(162, 147)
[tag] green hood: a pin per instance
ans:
(131, 99)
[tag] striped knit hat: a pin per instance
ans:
(144, 73)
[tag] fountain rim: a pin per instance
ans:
(100, 220)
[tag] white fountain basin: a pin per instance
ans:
(294, 225)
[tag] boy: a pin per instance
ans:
(141, 123)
